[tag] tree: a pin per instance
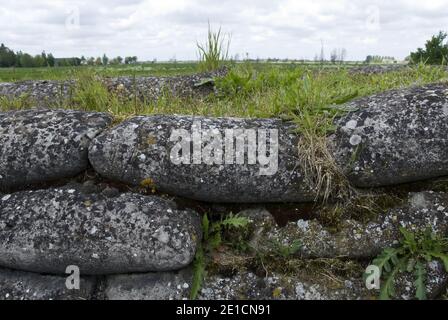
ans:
(44, 59)
(105, 60)
(10, 59)
(98, 61)
(379, 59)
(334, 56)
(127, 60)
(338, 55)
(50, 60)
(342, 55)
(435, 52)
(26, 61)
(38, 61)
(7, 56)
(91, 61)
(322, 52)
(19, 58)
(117, 60)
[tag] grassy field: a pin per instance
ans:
(142, 69)
(62, 73)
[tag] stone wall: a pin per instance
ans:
(77, 190)
(43, 93)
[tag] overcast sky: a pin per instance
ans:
(164, 29)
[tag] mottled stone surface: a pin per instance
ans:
(305, 284)
(140, 150)
(43, 93)
(151, 88)
(18, 285)
(43, 145)
(245, 285)
(355, 239)
(240, 286)
(394, 137)
(377, 69)
(149, 286)
(314, 286)
(47, 230)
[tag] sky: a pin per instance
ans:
(167, 29)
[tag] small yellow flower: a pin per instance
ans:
(277, 292)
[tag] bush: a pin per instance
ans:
(435, 52)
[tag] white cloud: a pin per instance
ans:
(167, 28)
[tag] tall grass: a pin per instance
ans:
(215, 51)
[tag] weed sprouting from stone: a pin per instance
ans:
(411, 255)
(213, 233)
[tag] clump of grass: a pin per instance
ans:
(320, 169)
(311, 108)
(90, 93)
(215, 51)
(16, 103)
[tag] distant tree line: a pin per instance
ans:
(104, 60)
(9, 58)
(338, 55)
(379, 59)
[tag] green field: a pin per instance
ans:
(62, 73)
(140, 69)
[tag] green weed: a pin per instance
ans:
(213, 233)
(412, 255)
(285, 251)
